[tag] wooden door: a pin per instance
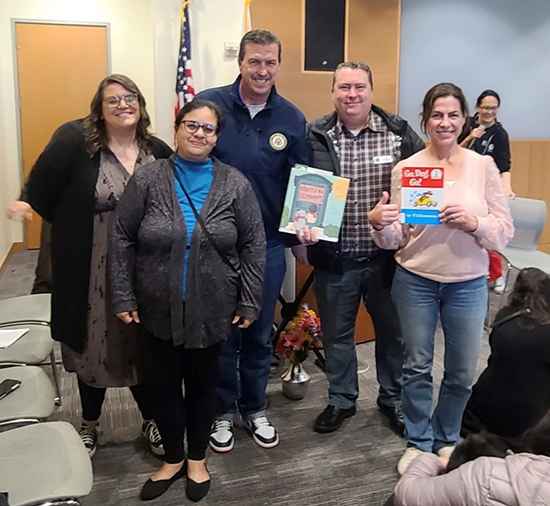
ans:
(372, 36)
(59, 67)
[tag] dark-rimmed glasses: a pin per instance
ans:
(129, 98)
(193, 127)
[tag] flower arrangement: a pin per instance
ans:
(299, 335)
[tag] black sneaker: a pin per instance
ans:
(151, 433)
(88, 436)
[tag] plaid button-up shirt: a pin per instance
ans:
(367, 159)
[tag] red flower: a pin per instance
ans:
(299, 335)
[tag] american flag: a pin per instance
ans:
(184, 82)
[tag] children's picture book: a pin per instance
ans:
(422, 195)
(315, 198)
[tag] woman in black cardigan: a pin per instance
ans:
(513, 392)
(75, 185)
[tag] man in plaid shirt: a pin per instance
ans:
(362, 142)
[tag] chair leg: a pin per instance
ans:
(487, 322)
(57, 399)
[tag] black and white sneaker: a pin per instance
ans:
(151, 433)
(221, 436)
(264, 434)
(88, 436)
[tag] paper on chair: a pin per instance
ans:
(8, 337)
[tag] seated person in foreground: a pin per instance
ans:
(497, 477)
(513, 392)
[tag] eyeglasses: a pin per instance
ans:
(193, 127)
(130, 99)
(489, 108)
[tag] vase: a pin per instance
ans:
(295, 382)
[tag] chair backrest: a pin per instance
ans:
(529, 219)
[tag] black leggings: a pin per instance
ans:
(173, 413)
(92, 400)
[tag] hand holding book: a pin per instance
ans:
(455, 216)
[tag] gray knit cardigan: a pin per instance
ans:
(147, 249)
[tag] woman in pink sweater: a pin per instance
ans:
(442, 271)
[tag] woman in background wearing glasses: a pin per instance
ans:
(486, 136)
(187, 260)
(75, 185)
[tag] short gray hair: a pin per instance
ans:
(353, 65)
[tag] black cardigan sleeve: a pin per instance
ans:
(501, 153)
(160, 149)
(54, 168)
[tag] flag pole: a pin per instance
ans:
(247, 16)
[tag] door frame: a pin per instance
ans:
(14, 22)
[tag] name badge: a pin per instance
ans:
(382, 159)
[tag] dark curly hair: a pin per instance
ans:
(95, 133)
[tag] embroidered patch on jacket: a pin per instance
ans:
(278, 141)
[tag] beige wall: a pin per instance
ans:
(144, 37)
(5, 228)
(213, 23)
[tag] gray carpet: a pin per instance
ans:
(353, 466)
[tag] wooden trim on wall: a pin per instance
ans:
(398, 62)
(531, 177)
(346, 31)
(16, 247)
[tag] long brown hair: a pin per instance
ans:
(95, 133)
(532, 291)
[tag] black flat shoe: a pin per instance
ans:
(196, 491)
(153, 489)
(394, 415)
(332, 418)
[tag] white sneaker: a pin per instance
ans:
(500, 284)
(221, 436)
(264, 434)
(410, 454)
(88, 436)
(150, 432)
(446, 451)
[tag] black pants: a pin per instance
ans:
(174, 414)
(92, 400)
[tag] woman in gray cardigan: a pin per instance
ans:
(187, 263)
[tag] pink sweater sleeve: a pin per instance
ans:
(497, 228)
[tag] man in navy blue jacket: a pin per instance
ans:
(263, 136)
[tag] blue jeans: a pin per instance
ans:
(338, 297)
(245, 358)
(461, 307)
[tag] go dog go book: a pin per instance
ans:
(422, 195)
(315, 198)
